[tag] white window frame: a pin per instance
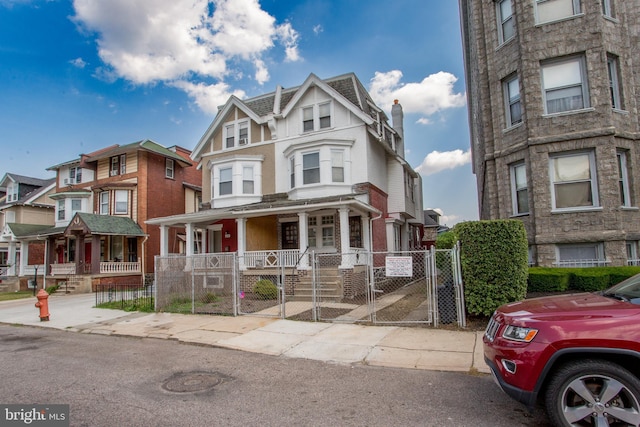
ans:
(61, 210)
(316, 117)
(337, 166)
(511, 99)
(632, 252)
(228, 181)
(613, 67)
(309, 178)
(557, 77)
(76, 206)
(518, 190)
(292, 172)
(598, 258)
(169, 168)
(119, 195)
(321, 231)
(104, 203)
(248, 180)
(236, 134)
(591, 180)
(607, 8)
(506, 19)
(623, 179)
(572, 8)
(13, 192)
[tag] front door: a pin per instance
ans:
(290, 235)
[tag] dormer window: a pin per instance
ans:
(316, 117)
(75, 175)
(236, 134)
(12, 192)
(118, 165)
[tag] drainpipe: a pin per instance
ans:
(144, 242)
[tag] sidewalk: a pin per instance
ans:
(389, 346)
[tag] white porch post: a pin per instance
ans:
(347, 261)
(242, 241)
(189, 248)
(303, 226)
(12, 259)
(164, 240)
(366, 233)
(24, 257)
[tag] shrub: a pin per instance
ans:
(548, 280)
(590, 280)
(493, 257)
(265, 289)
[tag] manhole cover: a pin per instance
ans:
(189, 382)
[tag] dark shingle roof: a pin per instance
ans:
(112, 225)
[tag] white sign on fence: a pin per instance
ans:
(399, 266)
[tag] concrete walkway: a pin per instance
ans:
(390, 346)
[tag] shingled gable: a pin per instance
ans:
(103, 225)
(146, 145)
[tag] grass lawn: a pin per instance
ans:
(6, 296)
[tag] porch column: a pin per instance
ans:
(11, 260)
(189, 231)
(164, 240)
(80, 254)
(303, 226)
(242, 241)
(24, 257)
(366, 233)
(347, 262)
(95, 254)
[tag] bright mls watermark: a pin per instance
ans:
(34, 415)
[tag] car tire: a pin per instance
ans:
(593, 392)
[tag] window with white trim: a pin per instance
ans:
(337, 165)
(122, 201)
(573, 181)
(623, 179)
(614, 82)
(76, 206)
(513, 106)
(580, 254)
(247, 180)
(169, 168)
(75, 175)
(226, 181)
(316, 117)
(311, 168)
(292, 171)
(321, 232)
(632, 253)
(506, 21)
(12, 191)
(236, 131)
(104, 203)
(61, 210)
(565, 85)
(519, 189)
(607, 8)
(553, 10)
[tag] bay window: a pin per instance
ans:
(573, 181)
(564, 85)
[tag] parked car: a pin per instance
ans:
(577, 354)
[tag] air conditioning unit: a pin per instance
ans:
(67, 181)
(113, 173)
(244, 141)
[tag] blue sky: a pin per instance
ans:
(76, 76)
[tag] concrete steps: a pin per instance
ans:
(329, 287)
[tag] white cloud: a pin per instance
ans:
(207, 96)
(78, 62)
(317, 29)
(150, 41)
(437, 161)
(433, 94)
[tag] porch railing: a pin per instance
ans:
(63, 269)
(4, 271)
(119, 267)
(263, 259)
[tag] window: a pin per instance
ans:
(573, 181)
(12, 192)
(322, 226)
(289, 235)
(76, 206)
(236, 131)
(61, 210)
(118, 165)
(226, 184)
(552, 10)
(564, 84)
(355, 232)
(580, 255)
(122, 201)
(75, 175)
(104, 203)
(513, 107)
(506, 21)
(614, 82)
(607, 8)
(292, 171)
(247, 180)
(337, 166)
(311, 168)
(230, 136)
(325, 115)
(243, 133)
(623, 179)
(519, 189)
(307, 119)
(632, 253)
(168, 168)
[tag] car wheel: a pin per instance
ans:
(593, 393)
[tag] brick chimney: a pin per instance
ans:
(397, 118)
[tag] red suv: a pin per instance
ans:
(578, 354)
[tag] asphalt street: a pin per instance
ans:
(127, 381)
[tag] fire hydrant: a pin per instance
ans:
(43, 305)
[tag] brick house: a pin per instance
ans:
(314, 168)
(102, 200)
(553, 111)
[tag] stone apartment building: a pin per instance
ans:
(552, 88)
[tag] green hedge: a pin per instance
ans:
(266, 289)
(493, 257)
(590, 279)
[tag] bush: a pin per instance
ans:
(590, 280)
(265, 289)
(548, 280)
(493, 257)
